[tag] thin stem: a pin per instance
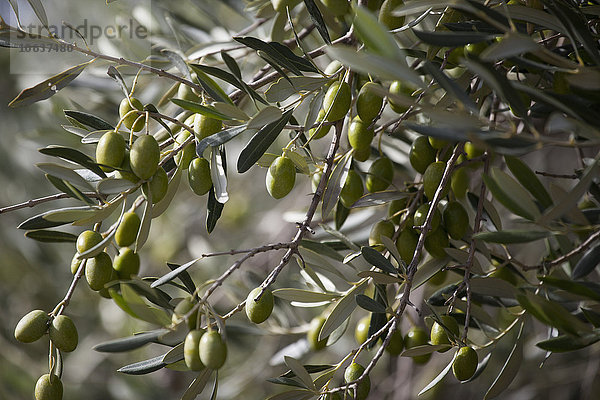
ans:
(45, 199)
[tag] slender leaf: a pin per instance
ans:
(173, 274)
(509, 370)
(317, 19)
(213, 211)
(379, 198)
(304, 296)
(67, 153)
(512, 195)
(179, 62)
(130, 343)
(219, 138)
(565, 343)
(342, 310)
(335, 184)
(197, 385)
(375, 35)
(38, 9)
(144, 231)
(283, 88)
(439, 377)
(298, 370)
(452, 39)
(144, 367)
(89, 120)
(512, 236)
(200, 109)
(587, 264)
(375, 258)
(46, 236)
(218, 176)
(587, 289)
(529, 180)
(369, 304)
(450, 86)
(210, 86)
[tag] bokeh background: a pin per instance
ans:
(36, 276)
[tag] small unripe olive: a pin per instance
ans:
(417, 336)
(396, 344)
(181, 309)
(421, 215)
(432, 178)
(338, 105)
(126, 263)
(144, 156)
(465, 363)
(362, 154)
(379, 229)
(158, 185)
(352, 373)
(386, 16)
(185, 92)
(394, 210)
(259, 311)
(199, 176)
(75, 263)
(352, 190)
(86, 240)
(315, 180)
(456, 220)
(459, 182)
(213, 350)
(406, 244)
(436, 242)
(205, 126)
(32, 326)
(438, 333)
(359, 135)
(374, 5)
(187, 154)
(361, 332)
(380, 175)
(104, 291)
(337, 7)
(280, 5)
(318, 133)
(125, 172)
(438, 278)
(472, 151)
(455, 55)
(63, 333)
(437, 143)
(98, 271)
(313, 334)
(110, 150)
(191, 350)
(474, 49)
(48, 388)
(128, 229)
(368, 102)
(421, 154)
(399, 88)
(281, 177)
(133, 120)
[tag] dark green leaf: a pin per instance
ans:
(38, 222)
(152, 108)
(231, 64)
(450, 86)
(47, 88)
(200, 109)
(279, 54)
(321, 248)
(69, 189)
(439, 377)
(173, 274)
(586, 289)
(335, 184)
(67, 153)
(117, 77)
(369, 304)
(509, 369)
(552, 314)
(341, 214)
(131, 342)
(587, 264)
(184, 277)
(213, 211)
(512, 236)
(57, 217)
(260, 142)
(452, 39)
(210, 86)
(311, 369)
(221, 74)
(565, 343)
(529, 180)
(592, 316)
(317, 19)
(219, 138)
(144, 367)
(47, 236)
(89, 120)
(178, 62)
(375, 258)
(511, 194)
(379, 198)
(374, 35)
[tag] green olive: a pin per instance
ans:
(436, 242)
(352, 190)
(259, 311)
(183, 308)
(187, 154)
(63, 333)
(144, 156)
(132, 120)
(439, 335)
(128, 229)
(280, 5)
(465, 363)
(315, 180)
(185, 92)
(199, 176)
(159, 183)
(386, 16)
(352, 373)
(337, 7)
(472, 151)
(337, 103)
(281, 177)
(213, 350)
(362, 154)
(205, 126)
(459, 182)
(98, 271)
(368, 102)
(438, 278)
(437, 143)
(417, 336)
(421, 154)
(191, 350)
(379, 229)
(86, 240)
(75, 263)
(380, 175)
(124, 171)
(48, 388)
(374, 5)
(395, 208)
(396, 344)
(421, 215)
(313, 334)
(406, 244)
(455, 55)
(399, 88)
(110, 151)
(361, 332)
(321, 132)
(32, 326)
(456, 220)
(432, 177)
(475, 49)
(126, 263)
(359, 135)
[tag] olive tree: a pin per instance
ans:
(440, 159)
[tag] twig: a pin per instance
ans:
(45, 199)
(548, 174)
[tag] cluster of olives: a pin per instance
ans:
(63, 335)
(202, 349)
